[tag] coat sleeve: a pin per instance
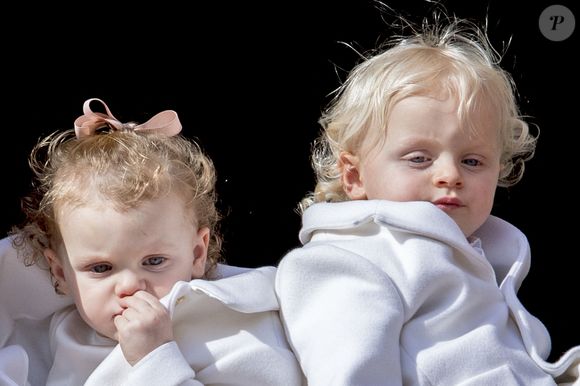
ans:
(164, 366)
(176, 370)
(343, 317)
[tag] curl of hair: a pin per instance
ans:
(124, 168)
(454, 58)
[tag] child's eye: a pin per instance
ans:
(418, 159)
(100, 268)
(155, 260)
(472, 162)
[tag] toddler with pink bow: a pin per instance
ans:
(124, 218)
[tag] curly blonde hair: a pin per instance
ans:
(125, 168)
(455, 58)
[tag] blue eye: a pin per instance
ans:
(418, 159)
(100, 268)
(155, 260)
(471, 162)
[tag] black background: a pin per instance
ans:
(249, 82)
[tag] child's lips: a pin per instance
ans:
(448, 203)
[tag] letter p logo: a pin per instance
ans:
(557, 23)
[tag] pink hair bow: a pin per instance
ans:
(165, 122)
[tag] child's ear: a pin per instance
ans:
(200, 252)
(350, 176)
(56, 271)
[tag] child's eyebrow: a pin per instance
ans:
(81, 261)
(415, 140)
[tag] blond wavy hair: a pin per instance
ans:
(125, 168)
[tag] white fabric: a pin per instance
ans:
(227, 332)
(13, 366)
(390, 293)
(32, 283)
(27, 299)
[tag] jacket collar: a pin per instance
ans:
(504, 244)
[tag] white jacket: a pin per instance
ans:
(391, 293)
(227, 332)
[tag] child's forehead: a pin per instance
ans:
(477, 107)
(99, 200)
(443, 103)
(423, 113)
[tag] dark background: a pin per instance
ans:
(249, 81)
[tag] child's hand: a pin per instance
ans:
(143, 326)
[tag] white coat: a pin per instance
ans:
(392, 293)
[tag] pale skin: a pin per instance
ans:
(428, 155)
(117, 265)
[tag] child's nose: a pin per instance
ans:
(129, 283)
(447, 174)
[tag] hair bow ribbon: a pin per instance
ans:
(165, 122)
